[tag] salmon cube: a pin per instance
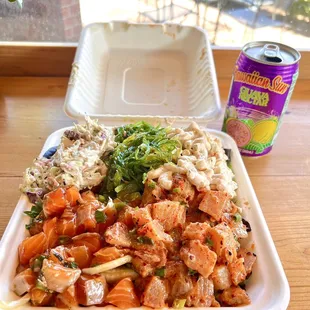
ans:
(118, 235)
(58, 278)
(41, 298)
(67, 299)
(170, 214)
(213, 203)
(249, 259)
(24, 282)
(155, 294)
(154, 230)
(198, 257)
(91, 240)
(91, 290)
(201, 294)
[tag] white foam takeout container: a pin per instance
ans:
(159, 73)
(267, 287)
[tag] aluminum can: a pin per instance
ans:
(262, 84)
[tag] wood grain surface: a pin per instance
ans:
(31, 109)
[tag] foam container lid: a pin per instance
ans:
(124, 72)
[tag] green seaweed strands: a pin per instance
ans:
(141, 147)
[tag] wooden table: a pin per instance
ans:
(31, 109)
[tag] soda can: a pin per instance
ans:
(262, 85)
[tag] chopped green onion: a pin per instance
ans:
(72, 265)
(191, 272)
(41, 286)
(63, 239)
(119, 205)
(160, 272)
(37, 263)
(100, 216)
(101, 198)
(35, 210)
(179, 303)
(237, 217)
(177, 190)
(151, 184)
(145, 240)
(209, 242)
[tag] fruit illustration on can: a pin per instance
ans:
(261, 88)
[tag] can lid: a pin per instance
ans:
(271, 53)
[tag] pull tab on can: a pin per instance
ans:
(272, 53)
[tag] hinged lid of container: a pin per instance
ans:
(124, 72)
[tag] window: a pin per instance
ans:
(228, 22)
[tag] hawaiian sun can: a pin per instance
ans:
(263, 81)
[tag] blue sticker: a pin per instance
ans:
(50, 152)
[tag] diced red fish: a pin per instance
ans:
(202, 293)
(88, 196)
(198, 257)
(125, 216)
(85, 217)
(155, 294)
(59, 254)
(72, 196)
(152, 193)
(106, 255)
(32, 246)
(249, 259)
(91, 240)
(66, 224)
(24, 282)
(111, 217)
(149, 257)
(213, 203)
(196, 231)
(141, 216)
(182, 190)
(224, 243)
(170, 214)
(118, 235)
(221, 277)
(123, 295)
(234, 296)
(58, 278)
(155, 231)
(54, 202)
(49, 228)
(41, 298)
(67, 299)
(91, 290)
(82, 256)
(237, 271)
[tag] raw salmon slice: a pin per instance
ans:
(54, 202)
(24, 282)
(123, 295)
(66, 224)
(82, 256)
(85, 217)
(106, 255)
(88, 196)
(67, 299)
(91, 240)
(39, 297)
(72, 196)
(49, 228)
(59, 254)
(57, 277)
(91, 290)
(32, 246)
(111, 217)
